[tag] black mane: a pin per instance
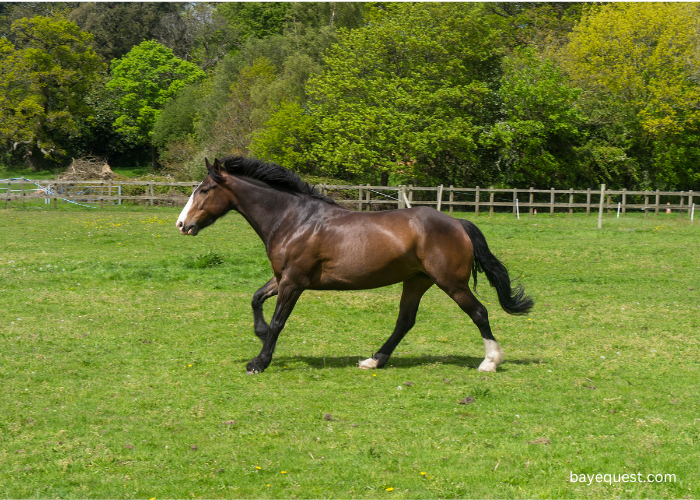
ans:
(270, 173)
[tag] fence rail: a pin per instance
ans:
(368, 197)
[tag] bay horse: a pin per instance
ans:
(315, 244)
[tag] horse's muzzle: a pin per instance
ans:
(190, 230)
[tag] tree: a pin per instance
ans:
(286, 137)
(143, 81)
(645, 56)
(43, 81)
(256, 19)
(408, 90)
(267, 73)
(199, 33)
(540, 122)
(13, 11)
(543, 26)
(119, 26)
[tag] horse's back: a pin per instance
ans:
(371, 249)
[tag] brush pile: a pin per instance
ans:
(89, 168)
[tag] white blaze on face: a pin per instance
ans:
(183, 215)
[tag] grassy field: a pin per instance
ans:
(9, 172)
(122, 363)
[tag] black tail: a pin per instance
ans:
(513, 300)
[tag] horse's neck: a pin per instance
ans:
(262, 206)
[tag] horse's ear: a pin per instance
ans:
(207, 164)
(217, 166)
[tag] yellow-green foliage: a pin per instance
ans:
(646, 54)
(43, 80)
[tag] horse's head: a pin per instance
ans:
(208, 202)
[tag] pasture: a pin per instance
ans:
(123, 347)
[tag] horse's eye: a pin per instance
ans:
(203, 191)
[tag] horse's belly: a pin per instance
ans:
(360, 274)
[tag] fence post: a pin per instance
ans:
(119, 194)
(690, 201)
(532, 198)
(588, 202)
(600, 211)
(609, 203)
(21, 184)
(658, 199)
(491, 203)
(359, 199)
(551, 203)
(102, 195)
(151, 200)
(439, 197)
(476, 202)
(646, 206)
(410, 194)
(571, 202)
(402, 197)
(55, 203)
(8, 202)
(368, 195)
(515, 197)
(624, 201)
(452, 198)
(680, 209)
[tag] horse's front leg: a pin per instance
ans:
(268, 290)
(287, 298)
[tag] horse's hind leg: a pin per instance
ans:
(268, 290)
(413, 289)
(480, 316)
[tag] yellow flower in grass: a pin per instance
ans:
(258, 467)
(422, 473)
(283, 472)
(390, 489)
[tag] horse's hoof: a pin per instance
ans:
(368, 364)
(487, 366)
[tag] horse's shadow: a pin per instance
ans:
(321, 362)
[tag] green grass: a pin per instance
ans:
(133, 171)
(123, 368)
(10, 172)
(27, 173)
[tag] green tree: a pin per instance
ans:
(256, 19)
(266, 73)
(543, 26)
(407, 92)
(44, 78)
(13, 11)
(119, 26)
(535, 138)
(286, 137)
(143, 81)
(645, 56)
(177, 120)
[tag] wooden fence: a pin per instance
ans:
(368, 197)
